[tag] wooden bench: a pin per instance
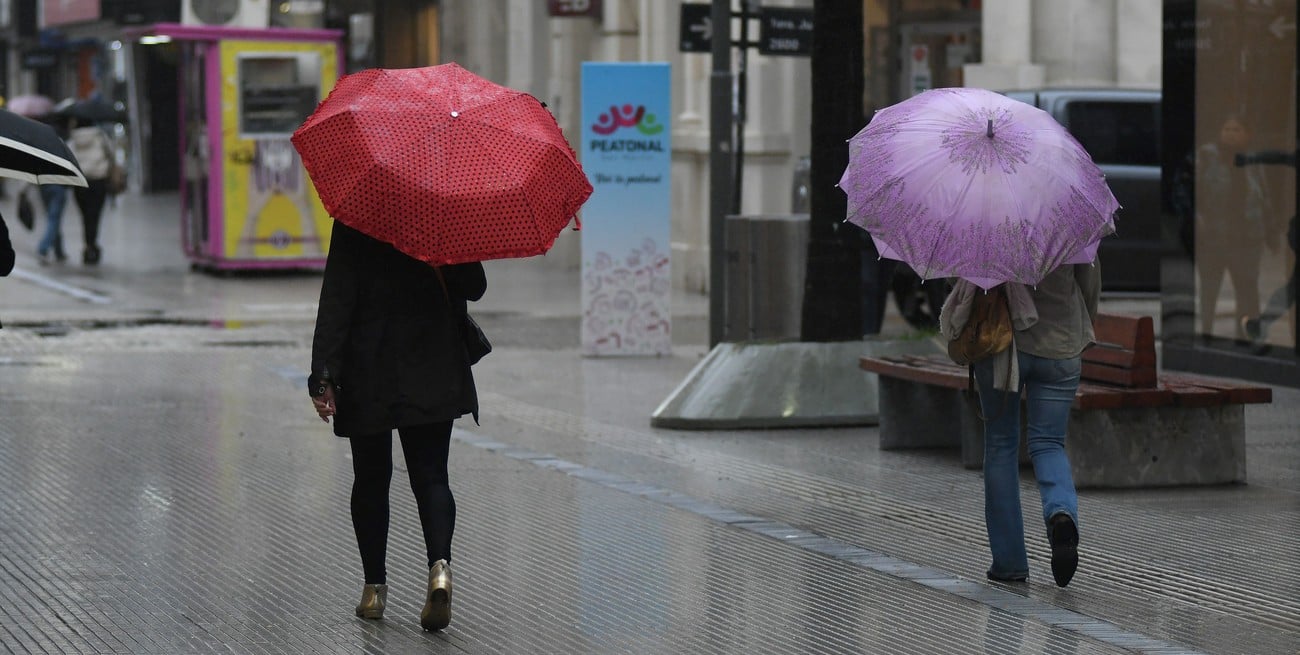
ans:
(1130, 426)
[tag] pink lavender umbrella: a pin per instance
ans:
(964, 182)
(31, 106)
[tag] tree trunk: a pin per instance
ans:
(832, 304)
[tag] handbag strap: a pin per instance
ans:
(443, 282)
(106, 145)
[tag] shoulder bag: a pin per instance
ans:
(115, 183)
(987, 332)
(476, 342)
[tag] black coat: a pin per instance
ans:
(6, 249)
(389, 340)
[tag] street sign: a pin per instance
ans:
(696, 28)
(38, 59)
(573, 8)
(785, 32)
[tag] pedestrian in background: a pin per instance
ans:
(94, 152)
(1282, 299)
(6, 250)
(1053, 325)
(54, 197)
(1231, 216)
(388, 354)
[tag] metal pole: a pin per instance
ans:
(742, 78)
(720, 165)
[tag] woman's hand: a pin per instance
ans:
(324, 403)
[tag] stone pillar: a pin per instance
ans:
(1138, 44)
(1007, 58)
(777, 130)
(690, 167)
(1075, 41)
(571, 42)
(620, 37)
(528, 42)
(473, 34)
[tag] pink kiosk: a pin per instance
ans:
(246, 200)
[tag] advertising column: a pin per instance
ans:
(626, 152)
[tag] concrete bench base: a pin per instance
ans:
(1108, 448)
(1158, 446)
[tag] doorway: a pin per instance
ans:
(932, 55)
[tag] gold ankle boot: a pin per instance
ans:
(373, 599)
(437, 603)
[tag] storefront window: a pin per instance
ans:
(916, 45)
(277, 92)
(1230, 105)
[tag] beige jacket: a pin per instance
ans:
(1052, 319)
(91, 147)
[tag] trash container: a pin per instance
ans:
(764, 276)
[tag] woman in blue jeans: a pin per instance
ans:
(1048, 360)
(55, 198)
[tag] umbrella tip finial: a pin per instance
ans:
(990, 130)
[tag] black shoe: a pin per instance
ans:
(1064, 537)
(1007, 577)
(90, 255)
(1252, 328)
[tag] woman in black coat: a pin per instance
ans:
(388, 353)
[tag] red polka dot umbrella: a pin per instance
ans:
(443, 164)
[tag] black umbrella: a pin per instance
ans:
(32, 151)
(89, 110)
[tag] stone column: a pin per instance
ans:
(1007, 61)
(1138, 44)
(473, 34)
(620, 37)
(528, 43)
(1075, 41)
(571, 42)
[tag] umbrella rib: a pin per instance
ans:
(35, 152)
(27, 176)
(934, 249)
(1087, 198)
(500, 169)
(519, 135)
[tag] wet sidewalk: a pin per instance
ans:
(166, 488)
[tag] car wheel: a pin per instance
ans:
(919, 303)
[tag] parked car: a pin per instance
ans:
(1120, 128)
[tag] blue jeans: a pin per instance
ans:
(1050, 386)
(55, 198)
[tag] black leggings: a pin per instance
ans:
(425, 449)
(90, 200)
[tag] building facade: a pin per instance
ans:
(1210, 59)
(910, 45)
(67, 49)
